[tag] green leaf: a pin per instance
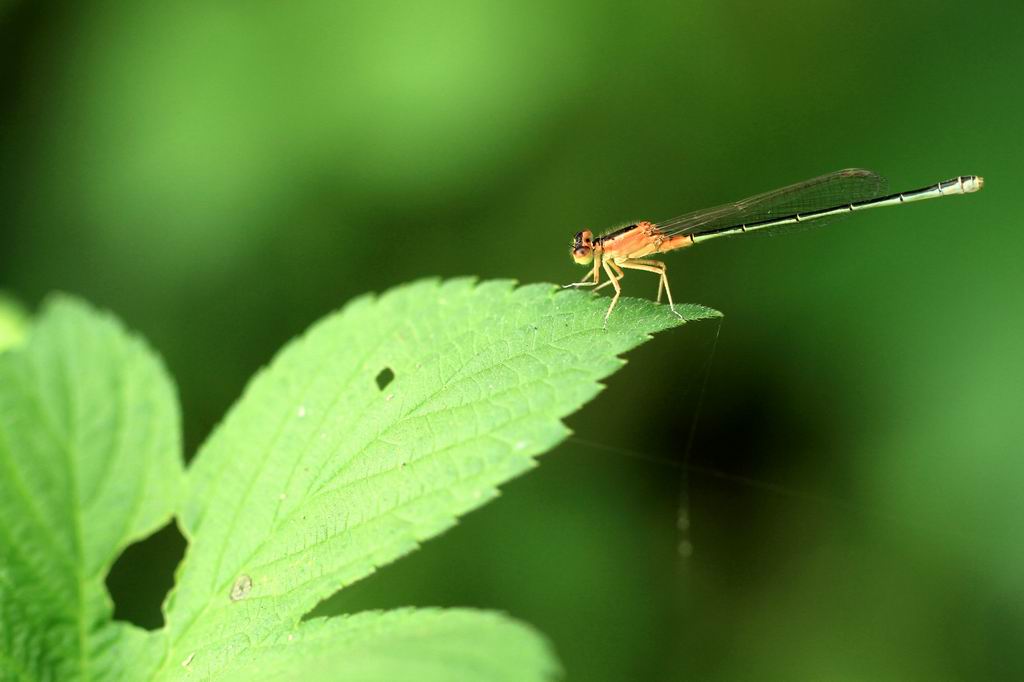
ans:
(90, 460)
(414, 645)
(317, 475)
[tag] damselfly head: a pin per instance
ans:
(583, 247)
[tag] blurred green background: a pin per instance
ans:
(222, 174)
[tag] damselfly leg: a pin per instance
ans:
(658, 268)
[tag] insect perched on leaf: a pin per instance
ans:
(819, 199)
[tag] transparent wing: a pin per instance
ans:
(848, 186)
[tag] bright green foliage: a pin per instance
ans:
(90, 461)
(367, 435)
(426, 645)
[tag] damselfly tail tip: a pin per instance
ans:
(972, 183)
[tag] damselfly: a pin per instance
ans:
(818, 200)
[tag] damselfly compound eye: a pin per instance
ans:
(583, 254)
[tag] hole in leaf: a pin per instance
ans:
(142, 576)
(385, 377)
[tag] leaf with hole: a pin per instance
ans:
(90, 460)
(369, 434)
